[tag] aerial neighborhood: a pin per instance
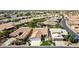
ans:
(39, 28)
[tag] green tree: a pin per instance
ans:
(71, 38)
(27, 14)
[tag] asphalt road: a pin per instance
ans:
(65, 25)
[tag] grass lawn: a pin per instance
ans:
(47, 43)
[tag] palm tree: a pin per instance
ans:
(42, 38)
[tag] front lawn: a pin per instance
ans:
(47, 43)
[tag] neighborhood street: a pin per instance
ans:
(65, 25)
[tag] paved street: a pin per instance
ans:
(65, 25)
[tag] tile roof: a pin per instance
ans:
(6, 26)
(37, 32)
(21, 33)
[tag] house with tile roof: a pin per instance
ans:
(21, 33)
(36, 35)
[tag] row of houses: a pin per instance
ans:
(35, 35)
(74, 22)
(23, 17)
(7, 26)
(10, 25)
(4, 21)
(32, 34)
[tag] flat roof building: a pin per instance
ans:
(57, 33)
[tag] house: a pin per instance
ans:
(57, 33)
(23, 21)
(75, 28)
(13, 16)
(23, 17)
(7, 26)
(3, 21)
(76, 22)
(52, 21)
(21, 33)
(35, 38)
